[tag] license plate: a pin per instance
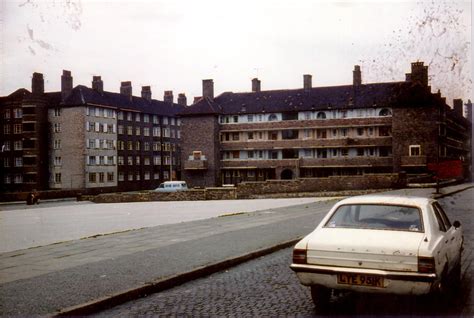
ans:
(360, 280)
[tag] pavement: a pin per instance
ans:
(83, 276)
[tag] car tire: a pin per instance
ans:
(321, 297)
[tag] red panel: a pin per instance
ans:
(447, 169)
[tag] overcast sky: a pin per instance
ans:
(174, 44)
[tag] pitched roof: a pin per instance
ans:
(333, 97)
(82, 95)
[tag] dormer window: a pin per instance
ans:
(321, 115)
(385, 112)
(272, 117)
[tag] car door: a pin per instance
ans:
(453, 236)
(442, 251)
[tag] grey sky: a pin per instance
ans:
(174, 44)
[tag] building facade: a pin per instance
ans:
(83, 138)
(317, 132)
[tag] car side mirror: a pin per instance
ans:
(457, 224)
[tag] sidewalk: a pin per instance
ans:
(84, 275)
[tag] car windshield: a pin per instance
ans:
(378, 217)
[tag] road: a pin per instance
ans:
(267, 287)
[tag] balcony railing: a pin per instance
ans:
(192, 164)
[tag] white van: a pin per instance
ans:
(172, 186)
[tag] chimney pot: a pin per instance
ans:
(97, 84)
(126, 88)
(458, 107)
(168, 97)
(182, 100)
(256, 87)
(37, 83)
(66, 84)
(146, 92)
(356, 76)
(208, 88)
(307, 82)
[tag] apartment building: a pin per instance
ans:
(316, 132)
(90, 139)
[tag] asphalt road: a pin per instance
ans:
(267, 287)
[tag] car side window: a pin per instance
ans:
(445, 218)
(441, 225)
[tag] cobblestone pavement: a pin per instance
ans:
(267, 287)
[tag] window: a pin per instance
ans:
(321, 115)
(443, 215)
(6, 162)
(360, 131)
(322, 153)
(236, 154)
(250, 135)
(120, 160)
(371, 131)
(146, 146)
(130, 161)
(7, 179)
(121, 176)
(137, 117)
(157, 160)
(6, 146)
(137, 131)
(360, 152)
(272, 117)
(17, 129)
(156, 132)
(137, 176)
(129, 116)
(273, 135)
(274, 154)
(235, 119)
(121, 145)
(415, 150)
(385, 112)
(18, 178)
(156, 175)
(57, 127)
(57, 178)
(249, 118)
(92, 160)
(307, 115)
(307, 133)
(57, 144)
(130, 177)
(344, 152)
(146, 176)
(137, 145)
(129, 130)
(18, 162)
(384, 131)
(344, 132)
(165, 120)
(166, 132)
(235, 136)
(289, 134)
(308, 153)
(377, 217)
(57, 161)
(321, 133)
(146, 161)
(146, 118)
(146, 131)
(129, 145)
(17, 113)
(57, 112)
(120, 115)
(250, 154)
(110, 160)
(17, 145)
(6, 114)
(155, 119)
(110, 177)
(101, 177)
(7, 129)
(137, 160)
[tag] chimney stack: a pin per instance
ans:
(458, 107)
(256, 85)
(182, 100)
(97, 84)
(168, 97)
(126, 88)
(66, 84)
(469, 111)
(208, 88)
(37, 83)
(356, 76)
(419, 73)
(146, 93)
(307, 82)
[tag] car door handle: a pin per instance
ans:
(446, 241)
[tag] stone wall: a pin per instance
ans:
(337, 183)
(147, 196)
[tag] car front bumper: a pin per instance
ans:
(402, 283)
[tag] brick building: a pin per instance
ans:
(316, 132)
(88, 138)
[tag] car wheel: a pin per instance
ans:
(321, 296)
(455, 279)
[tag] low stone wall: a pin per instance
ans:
(146, 196)
(320, 185)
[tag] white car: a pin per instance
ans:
(380, 244)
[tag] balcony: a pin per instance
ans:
(346, 162)
(413, 160)
(193, 164)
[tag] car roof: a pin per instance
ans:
(387, 199)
